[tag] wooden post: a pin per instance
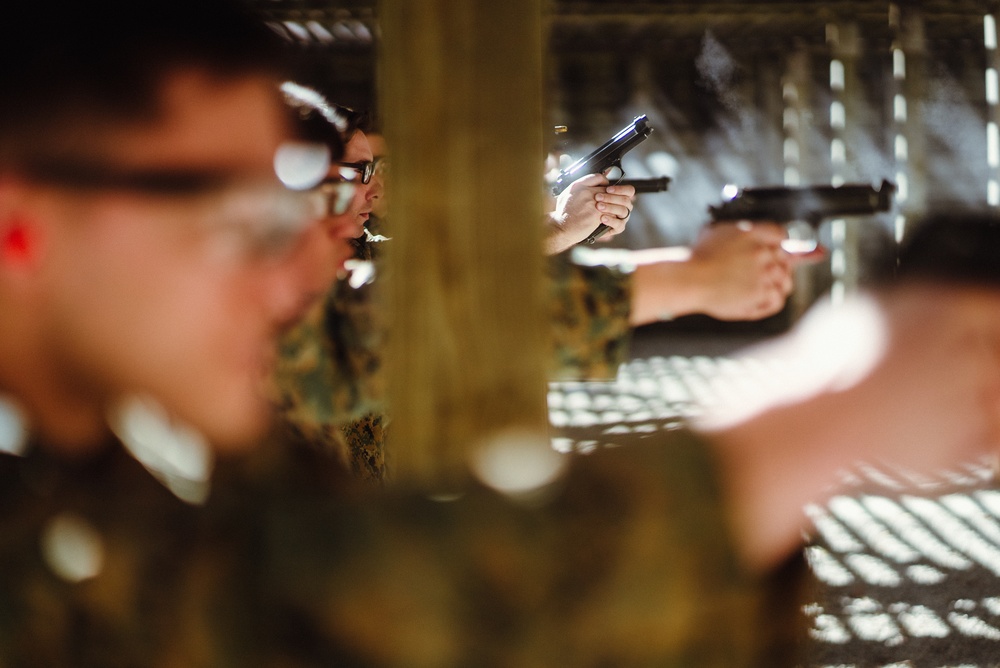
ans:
(461, 90)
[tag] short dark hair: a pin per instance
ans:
(105, 60)
(316, 119)
(960, 246)
(371, 124)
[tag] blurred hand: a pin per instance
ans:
(909, 379)
(744, 271)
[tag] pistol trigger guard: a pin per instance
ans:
(617, 164)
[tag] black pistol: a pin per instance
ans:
(604, 158)
(654, 185)
(810, 204)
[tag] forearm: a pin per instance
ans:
(666, 284)
(908, 379)
(771, 466)
(557, 237)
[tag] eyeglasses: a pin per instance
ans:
(258, 219)
(365, 169)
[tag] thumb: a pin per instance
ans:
(590, 180)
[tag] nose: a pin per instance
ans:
(375, 187)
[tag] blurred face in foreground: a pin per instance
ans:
(164, 258)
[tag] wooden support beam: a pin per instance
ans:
(461, 91)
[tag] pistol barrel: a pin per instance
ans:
(811, 204)
(656, 185)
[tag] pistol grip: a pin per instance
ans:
(596, 234)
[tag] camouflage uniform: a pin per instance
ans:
(626, 562)
(590, 318)
(328, 386)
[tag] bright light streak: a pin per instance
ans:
(899, 107)
(792, 176)
(959, 534)
(790, 119)
(989, 32)
(826, 567)
(877, 627)
(963, 506)
(838, 293)
(13, 427)
(902, 148)
(790, 150)
(915, 533)
(992, 87)
(834, 533)
(838, 231)
(992, 145)
(973, 627)
(900, 228)
(838, 262)
(828, 629)
(790, 92)
(838, 116)
(902, 187)
(990, 498)
(870, 527)
(924, 574)
(898, 64)
(836, 75)
(298, 30)
(922, 622)
(873, 570)
(838, 152)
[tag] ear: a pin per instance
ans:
(21, 236)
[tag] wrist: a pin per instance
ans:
(666, 290)
(556, 238)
